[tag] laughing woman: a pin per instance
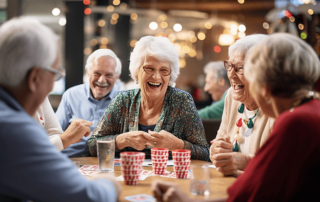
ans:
(157, 114)
(244, 128)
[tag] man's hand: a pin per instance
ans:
(74, 133)
(167, 192)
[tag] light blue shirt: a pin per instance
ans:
(33, 169)
(78, 103)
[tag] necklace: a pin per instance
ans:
(249, 122)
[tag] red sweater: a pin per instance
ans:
(287, 166)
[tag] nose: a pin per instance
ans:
(156, 75)
(231, 73)
(206, 87)
(102, 79)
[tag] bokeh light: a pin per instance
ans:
(217, 49)
(240, 1)
(134, 16)
(201, 36)
(265, 25)
(208, 25)
(110, 8)
(62, 21)
(303, 35)
(177, 27)
(242, 28)
(153, 25)
(101, 23)
(301, 26)
(56, 11)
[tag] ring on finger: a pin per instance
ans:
(154, 144)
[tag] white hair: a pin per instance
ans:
(284, 63)
(25, 43)
(103, 53)
(159, 47)
(218, 70)
(240, 48)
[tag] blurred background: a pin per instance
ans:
(201, 30)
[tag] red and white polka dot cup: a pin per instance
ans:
(159, 158)
(181, 162)
(131, 166)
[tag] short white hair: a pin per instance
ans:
(218, 69)
(159, 47)
(103, 53)
(25, 43)
(240, 48)
(285, 64)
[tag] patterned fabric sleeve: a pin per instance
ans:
(190, 129)
(108, 126)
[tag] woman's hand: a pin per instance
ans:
(220, 145)
(165, 191)
(230, 163)
(164, 139)
(135, 139)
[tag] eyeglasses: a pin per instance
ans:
(162, 71)
(237, 67)
(59, 73)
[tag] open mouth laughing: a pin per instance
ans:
(154, 85)
(101, 85)
(237, 87)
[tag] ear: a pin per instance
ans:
(221, 82)
(34, 79)
(265, 92)
(117, 77)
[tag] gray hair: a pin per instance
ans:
(25, 43)
(218, 69)
(103, 53)
(159, 47)
(241, 46)
(284, 63)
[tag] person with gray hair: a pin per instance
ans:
(31, 167)
(89, 101)
(156, 114)
(281, 70)
(217, 84)
(244, 128)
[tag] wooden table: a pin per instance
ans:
(218, 183)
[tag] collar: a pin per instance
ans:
(7, 98)
(89, 95)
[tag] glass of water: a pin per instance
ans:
(105, 148)
(200, 179)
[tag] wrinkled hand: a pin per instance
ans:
(111, 178)
(74, 133)
(220, 145)
(166, 191)
(230, 163)
(134, 139)
(165, 139)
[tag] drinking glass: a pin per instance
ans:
(200, 179)
(105, 150)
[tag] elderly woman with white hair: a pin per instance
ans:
(156, 114)
(281, 71)
(244, 128)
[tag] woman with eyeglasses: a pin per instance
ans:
(244, 128)
(156, 114)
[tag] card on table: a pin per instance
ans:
(140, 198)
(117, 162)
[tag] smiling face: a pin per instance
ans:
(240, 86)
(153, 85)
(212, 86)
(102, 76)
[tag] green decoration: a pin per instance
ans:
(241, 108)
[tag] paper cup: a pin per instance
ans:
(181, 162)
(159, 158)
(131, 166)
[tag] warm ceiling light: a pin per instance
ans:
(101, 23)
(193, 39)
(56, 11)
(265, 25)
(310, 11)
(113, 21)
(110, 8)
(164, 25)
(93, 42)
(153, 25)
(62, 21)
(162, 17)
(208, 25)
(192, 53)
(116, 2)
(242, 28)
(177, 27)
(87, 51)
(226, 39)
(115, 16)
(201, 36)
(240, 1)
(104, 40)
(134, 16)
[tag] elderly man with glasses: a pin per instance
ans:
(89, 101)
(31, 167)
(156, 114)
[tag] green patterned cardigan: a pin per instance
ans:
(179, 116)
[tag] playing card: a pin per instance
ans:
(89, 167)
(140, 198)
(117, 162)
